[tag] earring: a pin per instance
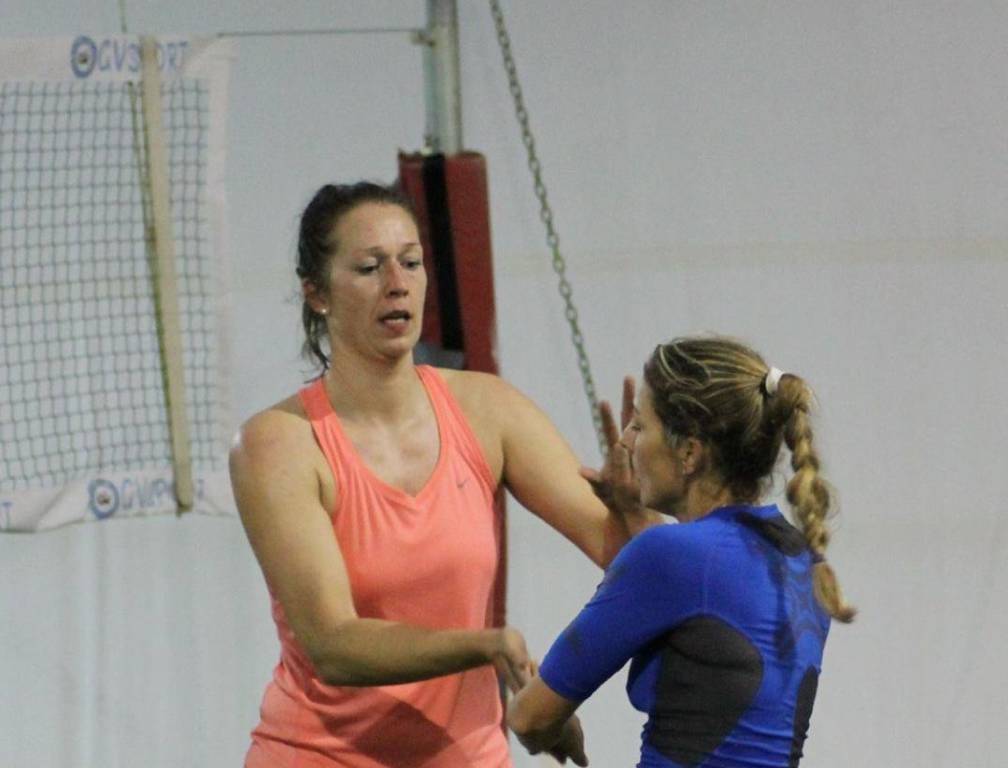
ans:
(323, 311)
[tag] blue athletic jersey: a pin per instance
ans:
(725, 634)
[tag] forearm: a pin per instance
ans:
(362, 652)
(538, 716)
(536, 732)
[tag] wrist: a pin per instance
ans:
(491, 644)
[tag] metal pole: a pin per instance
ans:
(442, 81)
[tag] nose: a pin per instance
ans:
(395, 279)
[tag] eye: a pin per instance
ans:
(412, 263)
(365, 269)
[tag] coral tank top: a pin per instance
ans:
(427, 560)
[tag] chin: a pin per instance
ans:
(646, 496)
(398, 348)
(664, 504)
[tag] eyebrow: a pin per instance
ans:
(377, 250)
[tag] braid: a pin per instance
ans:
(719, 390)
(809, 495)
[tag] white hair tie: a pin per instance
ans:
(771, 381)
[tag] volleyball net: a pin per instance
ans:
(85, 418)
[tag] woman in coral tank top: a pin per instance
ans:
(367, 498)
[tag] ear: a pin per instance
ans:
(313, 296)
(693, 454)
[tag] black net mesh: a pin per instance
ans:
(81, 386)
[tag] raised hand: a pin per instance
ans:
(616, 483)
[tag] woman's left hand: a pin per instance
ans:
(571, 744)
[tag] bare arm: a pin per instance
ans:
(543, 473)
(544, 721)
(276, 482)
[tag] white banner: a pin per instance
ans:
(110, 495)
(109, 58)
(64, 404)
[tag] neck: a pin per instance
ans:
(372, 388)
(703, 496)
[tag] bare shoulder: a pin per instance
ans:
(481, 391)
(492, 400)
(490, 405)
(275, 444)
(497, 410)
(280, 427)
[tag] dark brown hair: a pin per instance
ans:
(317, 244)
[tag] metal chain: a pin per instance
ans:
(546, 215)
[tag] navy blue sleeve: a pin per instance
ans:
(655, 582)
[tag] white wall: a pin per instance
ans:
(826, 180)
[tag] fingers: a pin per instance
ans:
(609, 429)
(599, 484)
(597, 479)
(617, 454)
(513, 662)
(629, 391)
(617, 461)
(515, 676)
(571, 744)
(520, 672)
(577, 750)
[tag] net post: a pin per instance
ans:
(441, 78)
(165, 283)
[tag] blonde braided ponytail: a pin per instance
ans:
(722, 391)
(808, 494)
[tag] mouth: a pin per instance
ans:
(396, 319)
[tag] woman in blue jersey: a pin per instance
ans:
(724, 615)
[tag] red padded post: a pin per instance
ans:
(450, 195)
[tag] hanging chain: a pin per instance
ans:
(546, 214)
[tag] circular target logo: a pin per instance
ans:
(83, 56)
(104, 498)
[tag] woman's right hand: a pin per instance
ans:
(511, 659)
(616, 484)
